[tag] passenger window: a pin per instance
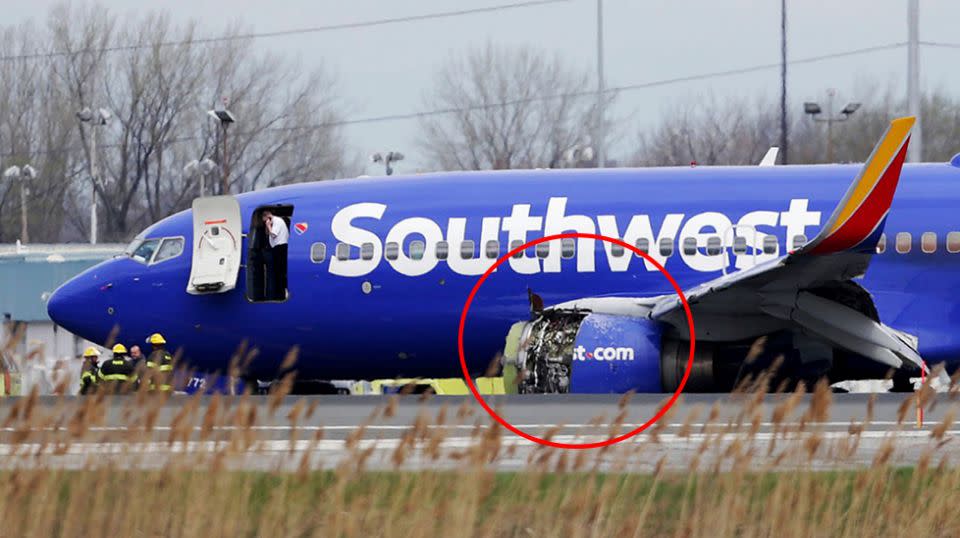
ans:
(493, 249)
(343, 251)
(170, 248)
(391, 250)
(882, 243)
(366, 251)
(799, 241)
(739, 245)
(714, 246)
(616, 250)
(666, 247)
(689, 246)
(318, 252)
(416, 249)
(568, 248)
(144, 252)
(953, 242)
(514, 245)
(903, 242)
(543, 250)
(928, 243)
(643, 244)
(467, 249)
(443, 250)
(770, 244)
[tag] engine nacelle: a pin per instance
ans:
(581, 352)
(616, 354)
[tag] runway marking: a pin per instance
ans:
(282, 445)
(392, 427)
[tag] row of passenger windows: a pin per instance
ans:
(468, 249)
(714, 246)
(903, 242)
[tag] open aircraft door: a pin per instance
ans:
(217, 244)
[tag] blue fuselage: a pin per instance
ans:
(399, 317)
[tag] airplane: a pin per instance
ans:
(793, 259)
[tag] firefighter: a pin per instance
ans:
(117, 373)
(159, 364)
(90, 370)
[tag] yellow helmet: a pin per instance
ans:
(156, 339)
(91, 352)
(120, 348)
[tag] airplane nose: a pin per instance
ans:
(76, 307)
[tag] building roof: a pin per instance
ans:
(31, 273)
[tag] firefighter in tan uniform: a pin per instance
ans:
(90, 371)
(159, 372)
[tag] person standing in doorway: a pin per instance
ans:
(278, 235)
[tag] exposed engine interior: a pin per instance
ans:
(545, 357)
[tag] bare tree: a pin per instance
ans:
(159, 79)
(507, 108)
(738, 131)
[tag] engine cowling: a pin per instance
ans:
(616, 354)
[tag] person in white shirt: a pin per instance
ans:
(276, 274)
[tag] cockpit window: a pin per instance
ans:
(144, 251)
(171, 247)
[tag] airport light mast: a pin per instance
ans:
(387, 159)
(25, 174)
(200, 170)
(96, 119)
(814, 110)
(225, 118)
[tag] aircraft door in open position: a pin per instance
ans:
(217, 241)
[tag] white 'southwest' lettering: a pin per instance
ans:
(521, 225)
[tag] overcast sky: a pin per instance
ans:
(383, 70)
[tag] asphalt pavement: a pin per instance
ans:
(704, 431)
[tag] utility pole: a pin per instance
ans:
(915, 150)
(831, 93)
(783, 83)
(601, 89)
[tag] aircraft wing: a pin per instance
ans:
(800, 289)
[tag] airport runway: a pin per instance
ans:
(264, 433)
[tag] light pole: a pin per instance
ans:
(200, 169)
(387, 159)
(225, 118)
(96, 119)
(813, 109)
(601, 89)
(915, 150)
(578, 155)
(25, 174)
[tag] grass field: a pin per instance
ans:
(473, 502)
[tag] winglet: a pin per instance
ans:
(857, 222)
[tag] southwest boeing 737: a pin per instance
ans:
(831, 269)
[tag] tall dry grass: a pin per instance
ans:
(180, 468)
(149, 464)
